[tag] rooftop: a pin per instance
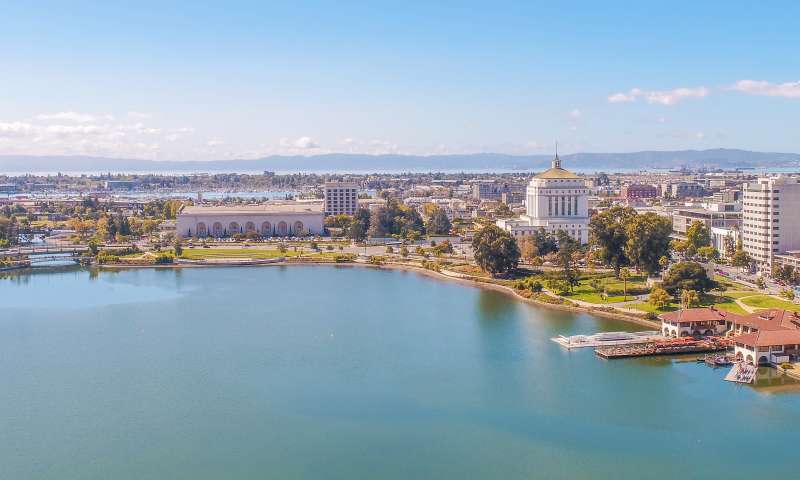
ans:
(556, 172)
(263, 208)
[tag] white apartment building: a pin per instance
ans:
(770, 218)
(556, 199)
(341, 198)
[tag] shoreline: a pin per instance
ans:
(506, 290)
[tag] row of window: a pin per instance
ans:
(569, 206)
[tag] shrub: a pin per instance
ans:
(164, 258)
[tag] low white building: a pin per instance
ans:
(695, 322)
(267, 220)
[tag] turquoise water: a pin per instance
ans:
(324, 372)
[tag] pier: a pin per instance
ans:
(674, 346)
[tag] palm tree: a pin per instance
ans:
(624, 274)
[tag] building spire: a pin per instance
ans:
(556, 163)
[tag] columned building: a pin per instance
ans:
(556, 199)
(280, 219)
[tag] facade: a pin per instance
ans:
(500, 192)
(766, 337)
(682, 218)
(636, 190)
(686, 189)
(556, 199)
(770, 221)
(341, 198)
(269, 219)
(695, 322)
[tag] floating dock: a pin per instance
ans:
(742, 373)
(663, 346)
(607, 339)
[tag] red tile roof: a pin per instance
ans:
(706, 314)
(764, 338)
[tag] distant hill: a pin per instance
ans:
(342, 162)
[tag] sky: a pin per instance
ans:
(217, 80)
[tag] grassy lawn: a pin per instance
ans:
(255, 253)
(766, 301)
(588, 294)
(739, 294)
(646, 307)
(730, 283)
(721, 302)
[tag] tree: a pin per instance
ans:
(438, 223)
(359, 225)
(688, 276)
(403, 251)
(93, 246)
(545, 243)
(788, 294)
(730, 245)
(697, 236)
(502, 211)
(608, 233)
(785, 273)
(740, 258)
(663, 262)
(567, 248)
(495, 250)
(659, 298)
(625, 274)
(708, 253)
(648, 241)
(178, 247)
(689, 298)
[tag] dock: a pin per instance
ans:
(674, 346)
(607, 339)
(742, 373)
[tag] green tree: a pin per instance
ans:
(659, 298)
(438, 223)
(608, 233)
(697, 236)
(688, 276)
(648, 240)
(359, 225)
(403, 251)
(495, 250)
(93, 246)
(178, 247)
(624, 274)
(502, 211)
(689, 298)
(567, 249)
(740, 258)
(708, 253)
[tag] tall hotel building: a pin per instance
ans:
(341, 198)
(770, 219)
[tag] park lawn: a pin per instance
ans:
(720, 302)
(767, 301)
(739, 294)
(588, 294)
(647, 307)
(730, 283)
(255, 253)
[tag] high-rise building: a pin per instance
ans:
(770, 219)
(556, 199)
(341, 198)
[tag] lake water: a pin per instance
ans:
(345, 373)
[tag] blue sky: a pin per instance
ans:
(197, 80)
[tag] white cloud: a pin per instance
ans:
(214, 142)
(140, 115)
(305, 143)
(661, 97)
(762, 87)
(74, 117)
(575, 114)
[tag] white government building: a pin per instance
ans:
(556, 199)
(269, 219)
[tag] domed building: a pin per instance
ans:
(556, 199)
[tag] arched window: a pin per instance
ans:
(234, 228)
(249, 227)
(266, 229)
(201, 229)
(217, 229)
(283, 229)
(298, 228)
